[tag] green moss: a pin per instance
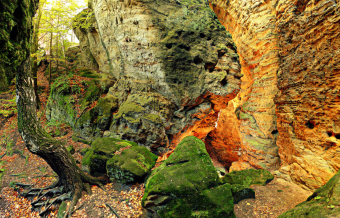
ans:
(153, 118)
(187, 170)
(136, 162)
(84, 20)
(71, 149)
(248, 177)
(102, 149)
(216, 202)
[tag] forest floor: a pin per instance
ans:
(17, 164)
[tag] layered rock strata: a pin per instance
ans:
(176, 69)
(289, 51)
(252, 26)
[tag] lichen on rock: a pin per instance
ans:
(131, 164)
(102, 149)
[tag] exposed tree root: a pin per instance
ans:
(60, 191)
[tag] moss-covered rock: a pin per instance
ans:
(188, 170)
(131, 164)
(102, 149)
(216, 202)
(94, 122)
(324, 202)
(248, 177)
(61, 103)
(142, 119)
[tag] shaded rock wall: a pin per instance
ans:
(176, 69)
(289, 51)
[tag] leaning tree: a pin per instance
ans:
(15, 34)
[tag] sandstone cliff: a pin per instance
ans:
(178, 75)
(176, 68)
(289, 52)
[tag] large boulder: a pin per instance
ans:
(131, 164)
(182, 178)
(174, 63)
(102, 149)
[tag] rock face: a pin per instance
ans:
(252, 26)
(176, 68)
(289, 52)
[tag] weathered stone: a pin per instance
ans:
(289, 51)
(187, 185)
(102, 149)
(131, 164)
(188, 169)
(216, 202)
(94, 122)
(174, 52)
(252, 25)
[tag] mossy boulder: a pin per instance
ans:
(61, 103)
(187, 171)
(214, 202)
(324, 202)
(248, 177)
(102, 149)
(94, 122)
(131, 164)
(142, 118)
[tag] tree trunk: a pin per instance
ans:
(37, 140)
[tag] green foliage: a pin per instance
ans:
(84, 20)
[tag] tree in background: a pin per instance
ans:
(52, 32)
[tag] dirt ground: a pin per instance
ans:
(17, 164)
(271, 200)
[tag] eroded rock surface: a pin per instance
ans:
(176, 67)
(289, 52)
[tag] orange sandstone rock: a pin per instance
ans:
(290, 57)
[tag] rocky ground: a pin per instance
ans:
(19, 165)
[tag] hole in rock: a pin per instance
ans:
(198, 60)
(329, 133)
(275, 131)
(337, 136)
(184, 47)
(14, 33)
(210, 66)
(224, 82)
(310, 124)
(202, 35)
(179, 33)
(168, 45)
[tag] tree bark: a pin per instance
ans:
(37, 140)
